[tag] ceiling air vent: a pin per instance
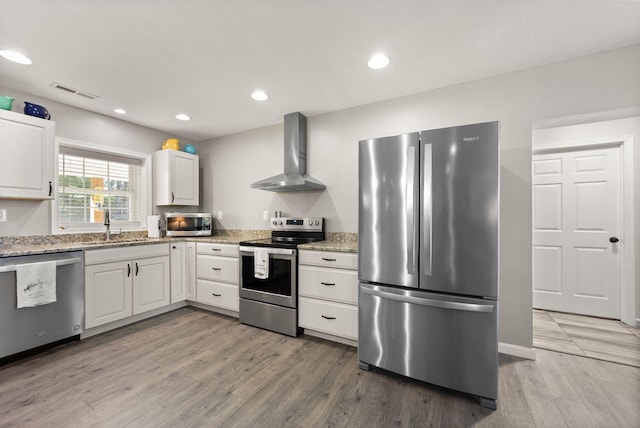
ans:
(70, 90)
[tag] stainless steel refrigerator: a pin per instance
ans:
(428, 257)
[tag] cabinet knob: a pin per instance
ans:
(613, 240)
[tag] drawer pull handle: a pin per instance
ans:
(215, 268)
(328, 260)
(328, 318)
(328, 284)
(216, 294)
(216, 249)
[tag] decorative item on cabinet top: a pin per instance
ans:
(36, 110)
(5, 102)
(171, 143)
(174, 144)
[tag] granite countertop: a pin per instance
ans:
(341, 242)
(45, 244)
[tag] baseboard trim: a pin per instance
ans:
(331, 337)
(517, 351)
(130, 320)
(222, 311)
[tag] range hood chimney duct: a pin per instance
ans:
(295, 178)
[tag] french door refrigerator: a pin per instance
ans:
(428, 257)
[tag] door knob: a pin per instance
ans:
(613, 240)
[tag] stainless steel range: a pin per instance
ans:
(269, 274)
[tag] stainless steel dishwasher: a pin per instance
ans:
(27, 328)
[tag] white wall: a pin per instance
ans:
(33, 217)
(602, 82)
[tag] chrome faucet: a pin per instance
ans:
(107, 223)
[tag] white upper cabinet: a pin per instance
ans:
(176, 178)
(27, 162)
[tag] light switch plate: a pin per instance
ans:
(3, 215)
(219, 215)
(265, 215)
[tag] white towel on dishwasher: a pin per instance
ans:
(261, 263)
(35, 284)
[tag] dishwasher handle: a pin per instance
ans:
(12, 268)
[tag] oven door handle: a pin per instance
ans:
(276, 251)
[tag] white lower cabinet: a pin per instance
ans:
(108, 293)
(183, 271)
(122, 282)
(218, 276)
(328, 293)
(218, 294)
(178, 271)
(190, 264)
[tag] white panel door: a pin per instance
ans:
(151, 284)
(576, 213)
(107, 293)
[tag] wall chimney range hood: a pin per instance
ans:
(294, 178)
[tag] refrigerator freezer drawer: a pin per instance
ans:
(444, 340)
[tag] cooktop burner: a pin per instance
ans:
(287, 232)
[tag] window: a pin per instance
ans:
(90, 181)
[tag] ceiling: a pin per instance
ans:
(157, 58)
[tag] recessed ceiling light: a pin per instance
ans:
(260, 96)
(183, 116)
(378, 61)
(15, 57)
(120, 110)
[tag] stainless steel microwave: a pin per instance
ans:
(189, 224)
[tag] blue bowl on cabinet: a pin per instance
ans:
(36, 110)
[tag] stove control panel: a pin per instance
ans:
(301, 224)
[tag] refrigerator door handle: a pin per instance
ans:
(410, 211)
(444, 304)
(425, 265)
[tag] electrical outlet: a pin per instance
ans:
(3, 215)
(265, 215)
(219, 215)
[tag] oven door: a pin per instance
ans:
(280, 287)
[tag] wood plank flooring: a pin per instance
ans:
(603, 339)
(192, 368)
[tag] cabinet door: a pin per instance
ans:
(27, 161)
(176, 178)
(151, 284)
(179, 271)
(190, 264)
(185, 179)
(107, 293)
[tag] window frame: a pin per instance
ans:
(145, 198)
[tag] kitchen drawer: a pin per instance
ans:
(107, 255)
(217, 294)
(328, 259)
(340, 285)
(230, 250)
(223, 269)
(328, 317)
